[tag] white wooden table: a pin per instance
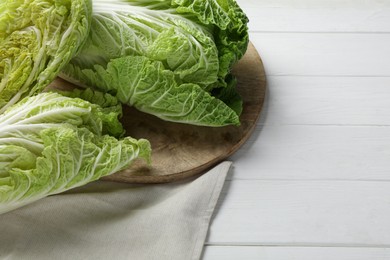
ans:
(313, 182)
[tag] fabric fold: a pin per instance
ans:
(105, 220)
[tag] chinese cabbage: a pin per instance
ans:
(37, 39)
(186, 47)
(50, 143)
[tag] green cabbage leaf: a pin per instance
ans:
(146, 85)
(51, 142)
(37, 39)
(166, 58)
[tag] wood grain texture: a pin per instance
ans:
(341, 101)
(324, 54)
(180, 151)
(314, 152)
(303, 212)
(342, 16)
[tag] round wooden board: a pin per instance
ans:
(180, 151)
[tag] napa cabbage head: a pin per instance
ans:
(37, 39)
(171, 59)
(52, 142)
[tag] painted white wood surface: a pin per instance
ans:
(315, 152)
(317, 16)
(313, 182)
(324, 54)
(302, 213)
(302, 100)
(295, 253)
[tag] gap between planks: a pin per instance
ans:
(303, 245)
(325, 125)
(230, 179)
(326, 76)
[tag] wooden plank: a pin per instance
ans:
(294, 253)
(324, 15)
(327, 100)
(315, 152)
(303, 213)
(324, 54)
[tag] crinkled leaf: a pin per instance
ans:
(193, 44)
(146, 85)
(50, 143)
(37, 39)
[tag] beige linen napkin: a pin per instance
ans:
(106, 220)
